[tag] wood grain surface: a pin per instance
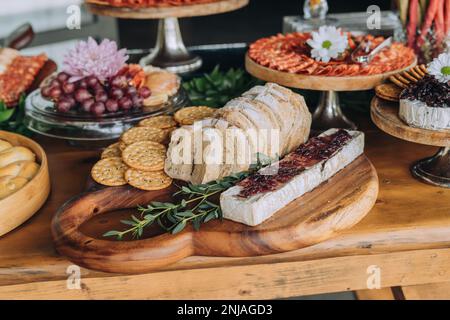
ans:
(407, 234)
(334, 206)
(194, 10)
(385, 115)
(21, 205)
(323, 83)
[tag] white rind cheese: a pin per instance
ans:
(417, 114)
(255, 209)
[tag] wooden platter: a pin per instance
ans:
(385, 115)
(323, 83)
(319, 215)
(21, 205)
(97, 7)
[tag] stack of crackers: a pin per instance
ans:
(138, 157)
(399, 81)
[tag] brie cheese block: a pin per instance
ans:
(417, 114)
(258, 207)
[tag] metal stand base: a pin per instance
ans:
(170, 52)
(328, 113)
(434, 170)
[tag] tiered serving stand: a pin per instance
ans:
(328, 113)
(170, 52)
(434, 170)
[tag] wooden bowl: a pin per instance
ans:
(21, 205)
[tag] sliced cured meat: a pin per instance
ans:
(290, 53)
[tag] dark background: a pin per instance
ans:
(260, 18)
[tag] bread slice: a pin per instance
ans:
(302, 123)
(15, 154)
(4, 145)
(260, 119)
(180, 158)
(258, 208)
(211, 151)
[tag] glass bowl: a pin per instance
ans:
(84, 129)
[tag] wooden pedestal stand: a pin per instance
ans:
(328, 113)
(170, 52)
(434, 170)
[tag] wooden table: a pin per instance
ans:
(406, 236)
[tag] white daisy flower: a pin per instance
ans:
(440, 67)
(328, 43)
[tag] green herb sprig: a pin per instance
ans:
(195, 206)
(218, 87)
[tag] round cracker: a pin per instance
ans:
(423, 68)
(145, 180)
(160, 122)
(388, 98)
(122, 145)
(398, 83)
(111, 151)
(145, 156)
(143, 134)
(109, 172)
(189, 115)
(388, 90)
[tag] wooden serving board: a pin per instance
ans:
(100, 8)
(385, 115)
(323, 83)
(319, 215)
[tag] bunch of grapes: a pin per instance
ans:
(91, 95)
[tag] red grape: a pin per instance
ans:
(137, 101)
(82, 84)
(98, 108)
(116, 93)
(92, 81)
(63, 105)
(55, 93)
(101, 96)
(125, 103)
(68, 87)
(45, 91)
(144, 92)
(112, 105)
(81, 95)
(119, 82)
(62, 76)
(55, 83)
(131, 90)
(86, 105)
(70, 100)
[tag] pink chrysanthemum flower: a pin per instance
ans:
(90, 58)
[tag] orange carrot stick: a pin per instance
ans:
(431, 14)
(412, 24)
(439, 23)
(447, 17)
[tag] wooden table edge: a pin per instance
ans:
(239, 282)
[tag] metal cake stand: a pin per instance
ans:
(170, 52)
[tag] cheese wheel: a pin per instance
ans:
(25, 169)
(4, 145)
(10, 184)
(15, 154)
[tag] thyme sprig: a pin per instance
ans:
(194, 207)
